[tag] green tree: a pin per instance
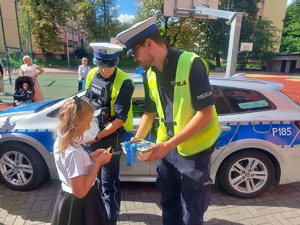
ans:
(206, 37)
(175, 31)
(290, 41)
(210, 38)
(45, 18)
(265, 39)
(215, 33)
(98, 18)
(214, 39)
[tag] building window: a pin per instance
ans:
(75, 44)
(261, 4)
(69, 29)
(70, 44)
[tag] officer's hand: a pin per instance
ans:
(134, 139)
(160, 150)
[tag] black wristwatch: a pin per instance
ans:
(96, 138)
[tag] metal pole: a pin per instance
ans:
(6, 49)
(234, 19)
(235, 31)
(17, 19)
(29, 37)
(67, 48)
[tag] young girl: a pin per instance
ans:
(79, 201)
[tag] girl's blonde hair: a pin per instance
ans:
(70, 114)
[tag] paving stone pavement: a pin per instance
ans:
(140, 206)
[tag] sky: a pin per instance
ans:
(127, 10)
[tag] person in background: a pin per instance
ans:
(25, 89)
(33, 71)
(79, 201)
(83, 70)
(114, 89)
(177, 89)
(1, 78)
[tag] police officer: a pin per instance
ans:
(178, 90)
(114, 89)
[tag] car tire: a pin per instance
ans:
(22, 168)
(246, 174)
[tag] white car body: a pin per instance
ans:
(259, 144)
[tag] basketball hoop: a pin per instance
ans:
(246, 47)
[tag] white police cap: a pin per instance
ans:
(137, 33)
(105, 54)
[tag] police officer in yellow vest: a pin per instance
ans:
(178, 90)
(119, 88)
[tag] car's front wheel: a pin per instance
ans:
(246, 174)
(21, 167)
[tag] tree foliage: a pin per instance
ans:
(210, 38)
(265, 39)
(98, 18)
(45, 19)
(290, 41)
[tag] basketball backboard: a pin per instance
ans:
(246, 47)
(186, 8)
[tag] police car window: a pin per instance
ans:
(222, 105)
(138, 108)
(243, 100)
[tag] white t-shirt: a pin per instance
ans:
(29, 70)
(83, 71)
(74, 162)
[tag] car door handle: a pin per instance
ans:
(225, 128)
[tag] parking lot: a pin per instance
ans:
(140, 201)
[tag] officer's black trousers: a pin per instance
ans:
(181, 181)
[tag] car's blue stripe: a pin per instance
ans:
(23, 108)
(280, 133)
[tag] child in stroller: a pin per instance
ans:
(24, 91)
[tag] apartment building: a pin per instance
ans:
(72, 35)
(10, 36)
(274, 10)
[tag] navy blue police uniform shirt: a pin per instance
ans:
(123, 99)
(201, 93)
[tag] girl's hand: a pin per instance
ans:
(103, 159)
(96, 153)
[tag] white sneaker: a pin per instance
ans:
(2, 93)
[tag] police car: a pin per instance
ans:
(259, 143)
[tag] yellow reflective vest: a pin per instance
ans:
(121, 76)
(183, 110)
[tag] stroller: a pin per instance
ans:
(24, 91)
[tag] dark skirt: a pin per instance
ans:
(89, 210)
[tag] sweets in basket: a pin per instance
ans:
(138, 148)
